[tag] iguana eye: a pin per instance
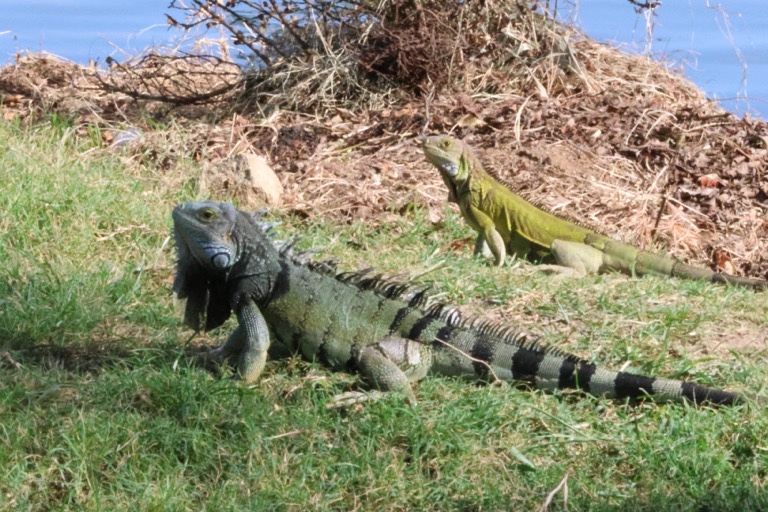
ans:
(207, 214)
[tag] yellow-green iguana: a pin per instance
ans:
(507, 223)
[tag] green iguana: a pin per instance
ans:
(507, 223)
(389, 332)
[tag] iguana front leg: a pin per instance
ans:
(488, 236)
(481, 247)
(230, 349)
(249, 342)
(393, 363)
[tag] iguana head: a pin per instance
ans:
(447, 154)
(222, 253)
(203, 233)
(452, 158)
(206, 252)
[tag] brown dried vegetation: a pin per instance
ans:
(616, 141)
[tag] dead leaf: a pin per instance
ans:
(470, 121)
(711, 180)
(723, 261)
(435, 216)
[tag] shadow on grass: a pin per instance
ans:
(97, 356)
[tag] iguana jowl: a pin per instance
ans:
(507, 223)
(387, 331)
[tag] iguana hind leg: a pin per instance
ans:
(393, 363)
(583, 259)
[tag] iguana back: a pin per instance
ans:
(507, 223)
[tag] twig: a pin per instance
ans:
(562, 485)
(473, 359)
(649, 4)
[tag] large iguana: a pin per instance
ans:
(389, 332)
(507, 223)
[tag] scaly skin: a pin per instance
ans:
(388, 332)
(507, 223)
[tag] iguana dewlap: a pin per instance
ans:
(508, 224)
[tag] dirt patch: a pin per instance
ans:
(744, 339)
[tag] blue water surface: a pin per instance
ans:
(82, 30)
(724, 49)
(721, 45)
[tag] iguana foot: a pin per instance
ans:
(350, 398)
(218, 355)
(242, 367)
(209, 360)
(482, 249)
(559, 271)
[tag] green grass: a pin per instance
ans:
(100, 409)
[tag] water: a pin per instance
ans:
(733, 68)
(723, 48)
(80, 30)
